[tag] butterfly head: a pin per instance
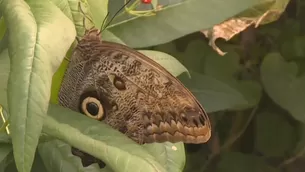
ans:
(92, 34)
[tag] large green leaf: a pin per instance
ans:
(170, 155)
(35, 53)
(57, 157)
(284, 85)
(213, 94)
(71, 9)
(171, 64)
(178, 20)
(119, 152)
(98, 11)
(38, 165)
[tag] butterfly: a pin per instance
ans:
(133, 94)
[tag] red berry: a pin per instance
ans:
(146, 1)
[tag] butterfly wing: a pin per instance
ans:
(170, 111)
(139, 97)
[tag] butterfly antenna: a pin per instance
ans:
(81, 10)
(115, 15)
(102, 28)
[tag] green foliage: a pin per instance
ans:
(283, 85)
(254, 94)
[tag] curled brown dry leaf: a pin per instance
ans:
(235, 25)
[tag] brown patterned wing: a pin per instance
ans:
(169, 111)
(139, 97)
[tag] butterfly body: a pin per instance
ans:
(138, 96)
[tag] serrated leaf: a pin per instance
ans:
(35, 54)
(119, 152)
(272, 140)
(238, 162)
(177, 20)
(170, 63)
(282, 83)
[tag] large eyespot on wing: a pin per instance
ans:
(91, 106)
(188, 127)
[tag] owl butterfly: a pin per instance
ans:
(130, 92)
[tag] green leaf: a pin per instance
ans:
(169, 155)
(226, 69)
(5, 149)
(2, 28)
(214, 73)
(119, 152)
(238, 162)
(171, 64)
(177, 20)
(4, 42)
(57, 156)
(38, 165)
(283, 84)
(4, 138)
(71, 9)
(4, 73)
(213, 94)
(293, 48)
(272, 140)
(35, 53)
(6, 156)
(3, 35)
(98, 10)
(276, 8)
